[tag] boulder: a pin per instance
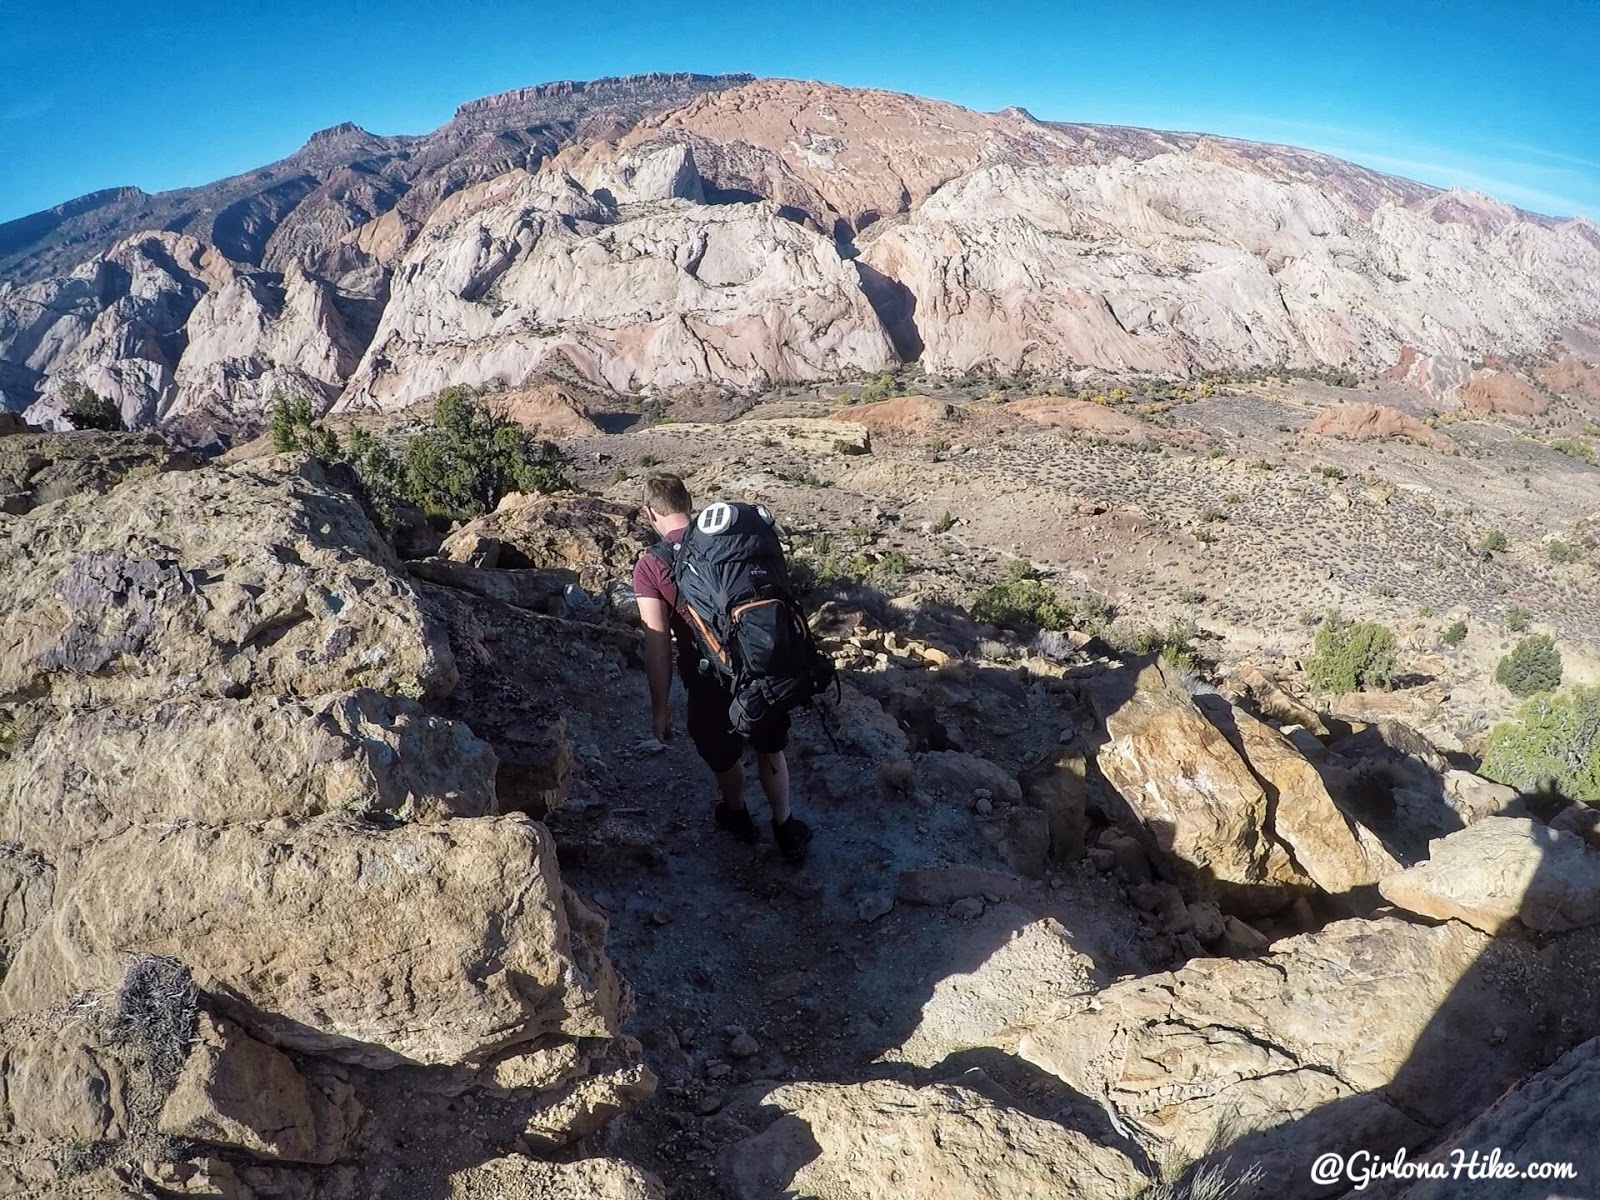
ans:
(1547, 1119)
(537, 591)
(869, 1140)
(596, 540)
(37, 468)
(1336, 852)
(1272, 700)
(1205, 813)
(955, 776)
(426, 944)
(1371, 1034)
(1033, 965)
(93, 774)
(239, 1093)
(1500, 871)
(262, 577)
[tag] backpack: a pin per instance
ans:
(735, 594)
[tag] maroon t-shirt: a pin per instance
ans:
(652, 580)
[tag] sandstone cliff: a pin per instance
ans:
(667, 233)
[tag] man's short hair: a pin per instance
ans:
(667, 495)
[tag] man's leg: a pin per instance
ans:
(730, 784)
(773, 771)
(723, 751)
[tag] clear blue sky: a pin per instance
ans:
(1502, 97)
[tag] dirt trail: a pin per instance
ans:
(718, 938)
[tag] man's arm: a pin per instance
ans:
(658, 662)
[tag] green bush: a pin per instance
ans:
(86, 409)
(1029, 605)
(1517, 619)
(1534, 665)
(1554, 742)
(1455, 634)
(471, 457)
(1352, 656)
(295, 427)
(1492, 542)
(1560, 552)
(457, 468)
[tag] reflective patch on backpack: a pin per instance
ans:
(715, 518)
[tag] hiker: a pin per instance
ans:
(761, 712)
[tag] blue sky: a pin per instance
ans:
(1499, 97)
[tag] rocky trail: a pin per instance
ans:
(746, 969)
(328, 874)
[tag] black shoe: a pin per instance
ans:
(736, 821)
(794, 835)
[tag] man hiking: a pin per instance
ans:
(667, 623)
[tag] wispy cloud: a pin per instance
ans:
(1531, 177)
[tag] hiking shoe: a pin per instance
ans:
(736, 821)
(794, 835)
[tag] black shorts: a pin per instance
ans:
(713, 734)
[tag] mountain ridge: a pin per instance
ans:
(640, 233)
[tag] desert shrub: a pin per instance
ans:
(1493, 542)
(1553, 743)
(880, 388)
(295, 427)
(1534, 665)
(945, 523)
(156, 1007)
(1560, 552)
(890, 569)
(87, 409)
(470, 457)
(1517, 619)
(1028, 606)
(1352, 656)
(1455, 634)
(1174, 643)
(459, 467)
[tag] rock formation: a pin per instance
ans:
(671, 232)
(253, 894)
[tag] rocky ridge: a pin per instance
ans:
(1065, 900)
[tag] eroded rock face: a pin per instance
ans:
(1234, 811)
(1501, 871)
(218, 583)
(868, 1140)
(531, 272)
(693, 233)
(217, 760)
(422, 962)
(1372, 1034)
(995, 261)
(1546, 1120)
